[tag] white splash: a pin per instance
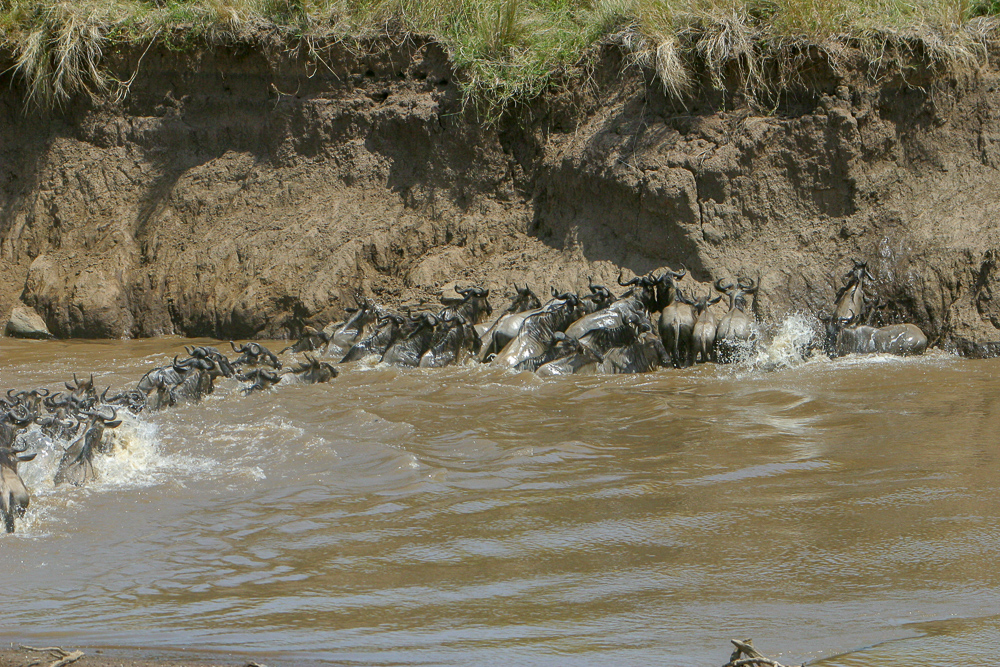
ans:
(793, 343)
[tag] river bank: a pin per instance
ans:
(250, 189)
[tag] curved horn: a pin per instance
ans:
(723, 287)
(19, 415)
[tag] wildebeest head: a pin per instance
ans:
(737, 291)
(600, 297)
(858, 273)
(667, 289)
(524, 299)
(643, 290)
(702, 303)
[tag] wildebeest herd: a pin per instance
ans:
(572, 333)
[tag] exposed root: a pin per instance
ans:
(746, 655)
(62, 656)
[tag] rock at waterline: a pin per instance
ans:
(23, 322)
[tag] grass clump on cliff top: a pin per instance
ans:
(505, 50)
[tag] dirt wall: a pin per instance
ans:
(244, 191)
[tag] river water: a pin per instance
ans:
(841, 512)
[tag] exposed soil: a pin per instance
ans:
(246, 191)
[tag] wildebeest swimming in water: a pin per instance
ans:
(14, 495)
(845, 333)
(312, 371)
(310, 341)
(77, 464)
(254, 354)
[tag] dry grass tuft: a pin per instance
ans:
(507, 51)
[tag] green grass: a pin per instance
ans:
(506, 51)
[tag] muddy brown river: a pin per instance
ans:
(841, 512)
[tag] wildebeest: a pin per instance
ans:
(576, 359)
(509, 323)
(705, 325)
(643, 353)
(310, 341)
(736, 333)
(132, 399)
(76, 466)
(260, 379)
(197, 378)
(454, 338)
(408, 350)
(353, 329)
(312, 372)
(14, 495)
(898, 339)
(254, 354)
(474, 306)
(536, 332)
(850, 300)
(387, 330)
(677, 318)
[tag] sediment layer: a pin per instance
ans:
(241, 191)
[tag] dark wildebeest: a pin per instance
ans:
(408, 350)
(677, 318)
(132, 399)
(537, 331)
(197, 379)
(351, 331)
(644, 353)
(850, 301)
(736, 334)
(310, 341)
(76, 466)
(82, 392)
(611, 315)
(387, 330)
(474, 306)
(846, 335)
(312, 372)
(509, 323)
(577, 360)
(254, 354)
(14, 496)
(261, 379)
(560, 345)
(454, 338)
(207, 352)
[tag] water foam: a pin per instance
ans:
(794, 341)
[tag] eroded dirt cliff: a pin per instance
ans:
(247, 191)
